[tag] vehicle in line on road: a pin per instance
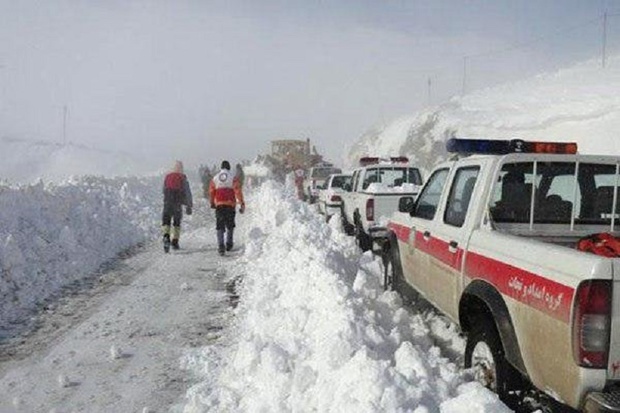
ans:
(373, 195)
(330, 200)
(315, 178)
(491, 242)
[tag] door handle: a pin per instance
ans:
(427, 235)
(453, 246)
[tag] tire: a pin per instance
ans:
(485, 352)
(347, 228)
(362, 239)
(389, 275)
(393, 271)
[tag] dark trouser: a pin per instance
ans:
(224, 223)
(172, 215)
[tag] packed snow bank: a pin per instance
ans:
(316, 332)
(53, 235)
(580, 103)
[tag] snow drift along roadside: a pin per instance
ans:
(53, 235)
(316, 332)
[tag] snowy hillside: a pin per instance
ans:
(580, 104)
(29, 161)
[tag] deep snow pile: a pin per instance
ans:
(53, 235)
(580, 103)
(316, 332)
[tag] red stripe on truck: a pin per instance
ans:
(440, 250)
(402, 232)
(531, 289)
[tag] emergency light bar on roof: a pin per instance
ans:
(502, 147)
(371, 160)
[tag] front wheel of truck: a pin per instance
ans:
(391, 268)
(388, 269)
(348, 228)
(485, 353)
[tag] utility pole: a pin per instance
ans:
(604, 38)
(64, 126)
(464, 74)
(429, 91)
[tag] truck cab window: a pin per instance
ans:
(340, 181)
(460, 195)
(559, 193)
(370, 177)
(414, 176)
(428, 200)
(395, 177)
(597, 183)
(513, 193)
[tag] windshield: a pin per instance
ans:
(339, 181)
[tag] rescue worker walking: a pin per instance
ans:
(224, 194)
(176, 194)
(205, 179)
(240, 174)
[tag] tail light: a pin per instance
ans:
(591, 323)
(335, 198)
(400, 159)
(370, 210)
(368, 160)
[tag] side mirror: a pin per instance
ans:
(406, 204)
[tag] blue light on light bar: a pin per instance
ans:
(487, 146)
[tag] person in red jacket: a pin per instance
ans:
(176, 194)
(224, 193)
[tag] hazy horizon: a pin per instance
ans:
(206, 80)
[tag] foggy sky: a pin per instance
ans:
(206, 80)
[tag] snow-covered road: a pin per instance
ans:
(116, 346)
(313, 330)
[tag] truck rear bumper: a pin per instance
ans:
(603, 402)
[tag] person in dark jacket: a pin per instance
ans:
(239, 174)
(224, 194)
(176, 194)
(205, 179)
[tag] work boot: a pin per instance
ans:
(175, 244)
(166, 242)
(229, 246)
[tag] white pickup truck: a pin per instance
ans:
(330, 201)
(373, 195)
(491, 242)
(317, 175)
